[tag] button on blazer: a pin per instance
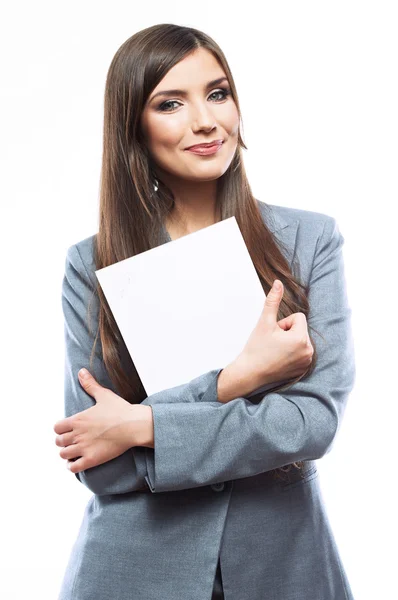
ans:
(159, 519)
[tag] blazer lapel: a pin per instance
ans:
(283, 228)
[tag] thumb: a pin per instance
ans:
(88, 382)
(273, 300)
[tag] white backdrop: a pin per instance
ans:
(318, 88)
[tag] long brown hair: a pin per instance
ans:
(134, 202)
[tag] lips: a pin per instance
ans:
(206, 145)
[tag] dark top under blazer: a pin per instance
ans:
(209, 494)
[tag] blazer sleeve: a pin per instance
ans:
(201, 443)
(125, 473)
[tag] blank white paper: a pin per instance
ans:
(187, 306)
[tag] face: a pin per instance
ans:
(200, 112)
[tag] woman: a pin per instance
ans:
(197, 490)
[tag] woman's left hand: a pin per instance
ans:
(104, 431)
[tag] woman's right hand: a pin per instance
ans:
(275, 351)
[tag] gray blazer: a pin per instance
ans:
(160, 518)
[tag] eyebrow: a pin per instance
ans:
(184, 92)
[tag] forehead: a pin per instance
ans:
(193, 71)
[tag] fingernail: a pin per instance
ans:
(83, 373)
(277, 285)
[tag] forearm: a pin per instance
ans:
(149, 437)
(140, 427)
(233, 382)
(230, 385)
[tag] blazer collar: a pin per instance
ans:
(283, 227)
(272, 216)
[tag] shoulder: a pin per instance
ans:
(305, 237)
(311, 223)
(80, 258)
(310, 227)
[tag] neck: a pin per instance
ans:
(194, 207)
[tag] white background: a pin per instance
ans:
(317, 83)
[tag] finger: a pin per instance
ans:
(90, 385)
(75, 466)
(299, 322)
(65, 439)
(295, 321)
(286, 323)
(63, 426)
(71, 451)
(272, 301)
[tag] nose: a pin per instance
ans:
(203, 118)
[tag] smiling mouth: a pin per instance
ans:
(205, 150)
(207, 145)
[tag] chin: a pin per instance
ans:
(202, 175)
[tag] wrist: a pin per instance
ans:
(148, 431)
(141, 426)
(232, 383)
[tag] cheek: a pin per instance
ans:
(231, 121)
(165, 133)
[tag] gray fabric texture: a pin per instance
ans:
(160, 519)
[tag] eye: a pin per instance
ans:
(164, 106)
(224, 91)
